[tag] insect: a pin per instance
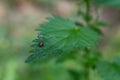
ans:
(41, 44)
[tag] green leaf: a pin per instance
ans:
(95, 28)
(101, 24)
(111, 3)
(62, 36)
(109, 71)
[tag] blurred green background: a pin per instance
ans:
(18, 21)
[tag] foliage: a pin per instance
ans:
(61, 37)
(112, 3)
(109, 70)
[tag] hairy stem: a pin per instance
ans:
(86, 65)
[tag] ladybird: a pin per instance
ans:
(41, 44)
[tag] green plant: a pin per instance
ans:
(60, 37)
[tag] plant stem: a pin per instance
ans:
(87, 6)
(87, 11)
(86, 65)
(86, 74)
(87, 19)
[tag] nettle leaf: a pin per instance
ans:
(62, 36)
(111, 3)
(109, 71)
